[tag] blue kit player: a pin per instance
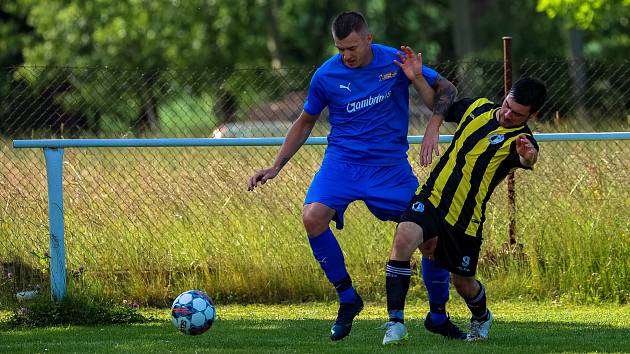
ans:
(366, 90)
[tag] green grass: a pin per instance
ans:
(519, 327)
(147, 224)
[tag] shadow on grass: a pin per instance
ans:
(311, 336)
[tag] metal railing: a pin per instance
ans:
(54, 150)
(149, 192)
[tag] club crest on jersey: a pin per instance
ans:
(496, 139)
(387, 76)
(417, 206)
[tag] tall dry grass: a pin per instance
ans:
(147, 224)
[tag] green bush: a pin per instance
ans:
(74, 310)
(82, 305)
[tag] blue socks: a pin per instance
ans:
(330, 257)
(328, 253)
(437, 281)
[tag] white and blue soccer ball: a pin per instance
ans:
(193, 312)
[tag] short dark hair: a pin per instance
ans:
(348, 22)
(529, 92)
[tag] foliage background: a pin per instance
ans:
(148, 225)
(223, 36)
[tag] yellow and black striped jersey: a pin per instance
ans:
(480, 156)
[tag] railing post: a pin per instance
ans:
(507, 85)
(54, 172)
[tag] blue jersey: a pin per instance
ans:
(368, 108)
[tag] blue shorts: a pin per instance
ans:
(386, 190)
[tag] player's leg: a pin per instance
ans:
(437, 281)
(474, 294)
(397, 278)
(326, 249)
(460, 252)
(391, 198)
(390, 189)
(327, 198)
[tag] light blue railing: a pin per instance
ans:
(53, 153)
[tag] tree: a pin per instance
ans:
(584, 14)
(14, 35)
(596, 29)
(605, 23)
(273, 34)
(136, 40)
(425, 28)
(462, 28)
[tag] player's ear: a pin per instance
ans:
(370, 37)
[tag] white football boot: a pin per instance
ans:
(479, 330)
(395, 333)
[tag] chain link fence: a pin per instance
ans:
(160, 220)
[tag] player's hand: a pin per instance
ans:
(526, 150)
(410, 63)
(430, 145)
(262, 176)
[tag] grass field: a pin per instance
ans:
(147, 224)
(518, 328)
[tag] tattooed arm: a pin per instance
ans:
(445, 93)
(296, 136)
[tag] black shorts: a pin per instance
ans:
(456, 251)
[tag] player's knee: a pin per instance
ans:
(315, 223)
(408, 237)
(402, 242)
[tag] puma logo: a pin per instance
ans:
(345, 87)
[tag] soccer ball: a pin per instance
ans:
(193, 312)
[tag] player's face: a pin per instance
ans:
(355, 49)
(513, 114)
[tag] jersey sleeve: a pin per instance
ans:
(430, 75)
(316, 100)
(457, 110)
